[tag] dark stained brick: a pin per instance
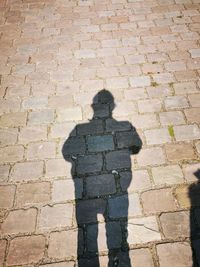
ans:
(89, 164)
(93, 127)
(118, 160)
(100, 143)
(113, 125)
(100, 185)
(74, 145)
(87, 210)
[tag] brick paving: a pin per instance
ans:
(56, 55)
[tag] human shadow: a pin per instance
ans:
(194, 195)
(99, 152)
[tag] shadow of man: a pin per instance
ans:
(194, 195)
(99, 152)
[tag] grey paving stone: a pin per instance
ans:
(89, 164)
(100, 185)
(100, 143)
(118, 160)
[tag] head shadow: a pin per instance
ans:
(100, 154)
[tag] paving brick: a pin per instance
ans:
(123, 206)
(151, 156)
(173, 102)
(175, 66)
(124, 109)
(176, 254)
(25, 250)
(100, 143)
(195, 53)
(145, 121)
(149, 105)
(26, 171)
(133, 94)
(113, 125)
(185, 75)
(183, 88)
(4, 172)
(3, 245)
(186, 132)
(182, 196)
(35, 102)
(11, 153)
(56, 216)
(140, 81)
(9, 105)
(41, 117)
(59, 244)
(59, 264)
(159, 91)
(171, 118)
(59, 130)
(192, 115)
(87, 210)
(57, 168)
(114, 83)
(32, 133)
(189, 171)
(100, 185)
(129, 140)
(69, 114)
(141, 255)
(163, 78)
(41, 150)
(167, 175)
(157, 136)
(94, 127)
(8, 136)
(13, 119)
(19, 221)
(60, 101)
(5, 191)
(177, 152)
(194, 100)
(175, 224)
(139, 181)
(118, 160)
(63, 190)
(136, 59)
(158, 201)
(84, 53)
(143, 230)
(74, 145)
(111, 230)
(89, 164)
(34, 193)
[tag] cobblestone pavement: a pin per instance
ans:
(56, 55)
